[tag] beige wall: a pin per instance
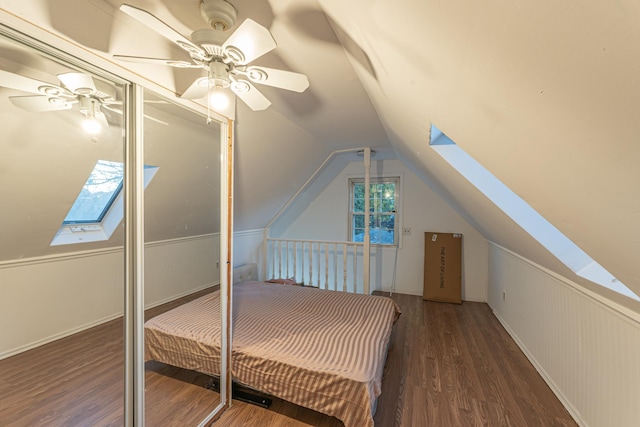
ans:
(421, 209)
(43, 299)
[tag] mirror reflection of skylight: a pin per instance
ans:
(102, 186)
(99, 208)
(524, 215)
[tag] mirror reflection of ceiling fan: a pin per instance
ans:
(75, 88)
(225, 57)
(91, 95)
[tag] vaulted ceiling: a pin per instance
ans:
(544, 94)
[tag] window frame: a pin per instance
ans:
(84, 232)
(525, 216)
(107, 205)
(391, 179)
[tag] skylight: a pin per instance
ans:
(98, 193)
(98, 209)
(524, 215)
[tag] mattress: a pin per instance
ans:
(321, 349)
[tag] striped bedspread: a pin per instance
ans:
(321, 349)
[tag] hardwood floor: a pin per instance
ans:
(448, 365)
(455, 365)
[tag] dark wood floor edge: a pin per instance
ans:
(541, 371)
(209, 287)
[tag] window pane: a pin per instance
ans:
(388, 222)
(97, 194)
(358, 221)
(358, 205)
(382, 205)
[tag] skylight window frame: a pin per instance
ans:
(114, 194)
(104, 212)
(96, 231)
(552, 239)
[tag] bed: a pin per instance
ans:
(321, 349)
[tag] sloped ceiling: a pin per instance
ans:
(544, 94)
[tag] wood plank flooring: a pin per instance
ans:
(448, 365)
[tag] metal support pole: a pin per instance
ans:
(367, 208)
(134, 259)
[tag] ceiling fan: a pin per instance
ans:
(92, 96)
(75, 88)
(225, 58)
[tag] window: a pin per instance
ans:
(383, 203)
(98, 193)
(98, 209)
(524, 215)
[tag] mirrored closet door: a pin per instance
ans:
(61, 244)
(80, 241)
(182, 257)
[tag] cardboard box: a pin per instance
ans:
(443, 267)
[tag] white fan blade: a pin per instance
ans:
(198, 89)
(153, 119)
(169, 62)
(78, 83)
(163, 29)
(111, 108)
(102, 119)
(250, 95)
(248, 42)
(278, 78)
(40, 103)
(26, 84)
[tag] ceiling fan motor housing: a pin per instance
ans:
(89, 107)
(219, 74)
(220, 14)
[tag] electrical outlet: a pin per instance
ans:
(406, 231)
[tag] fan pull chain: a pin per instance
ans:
(209, 97)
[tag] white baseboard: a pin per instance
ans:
(98, 322)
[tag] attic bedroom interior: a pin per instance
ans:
(167, 260)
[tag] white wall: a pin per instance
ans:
(586, 347)
(247, 248)
(421, 209)
(43, 299)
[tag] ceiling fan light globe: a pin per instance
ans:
(218, 99)
(91, 126)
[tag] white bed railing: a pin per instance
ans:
(323, 264)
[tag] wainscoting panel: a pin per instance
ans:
(587, 351)
(44, 299)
